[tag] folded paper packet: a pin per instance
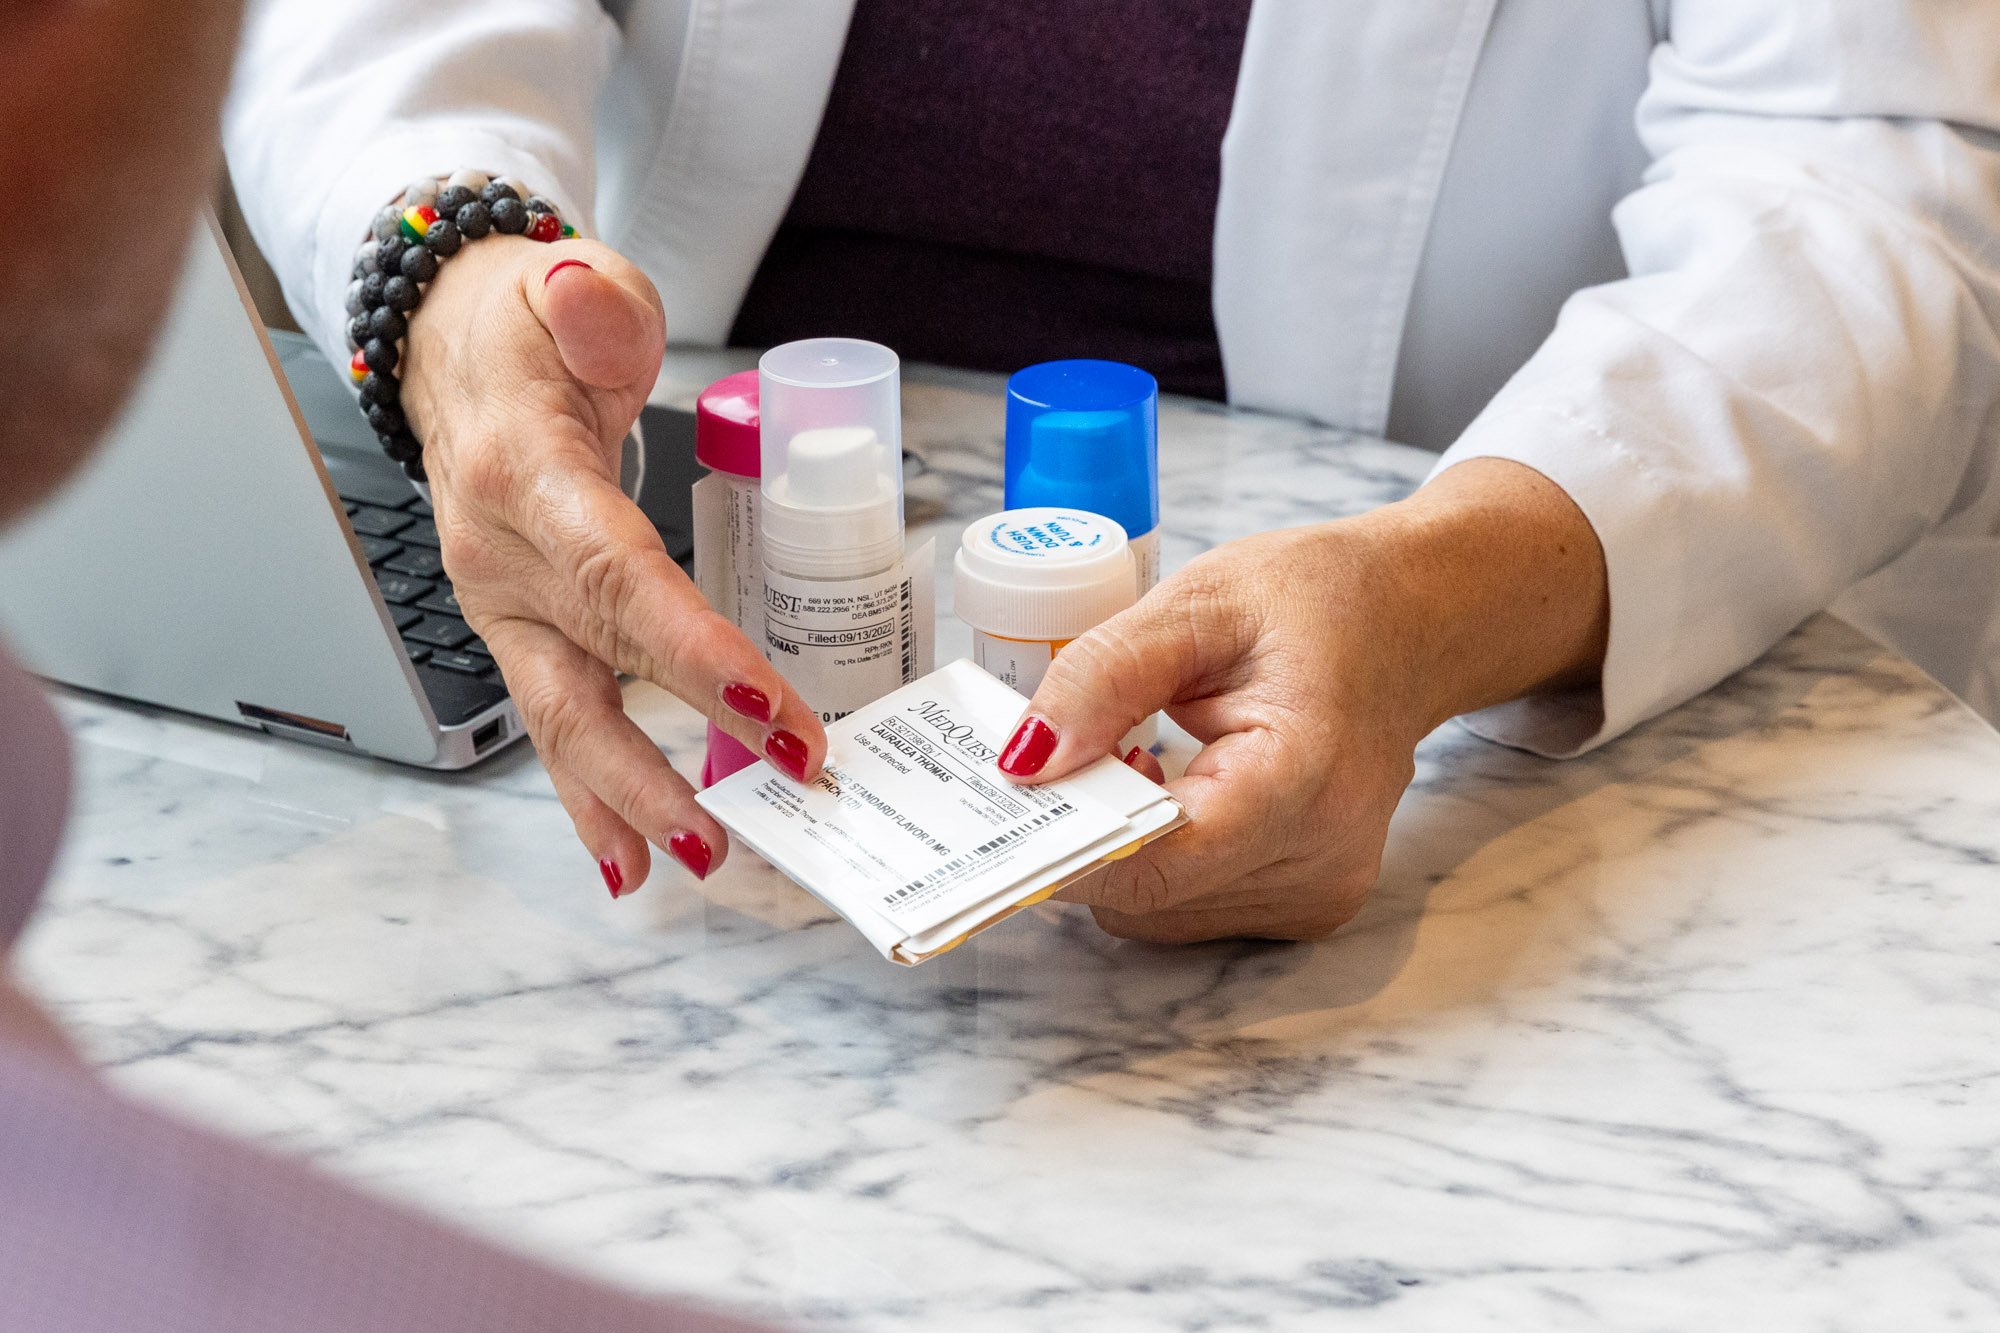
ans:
(911, 832)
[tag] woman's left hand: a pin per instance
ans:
(1309, 662)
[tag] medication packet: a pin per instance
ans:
(912, 834)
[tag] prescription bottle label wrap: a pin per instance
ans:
(728, 556)
(1019, 664)
(1146, 557)
(843, 643)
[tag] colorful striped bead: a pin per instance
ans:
(568, 231)
(416, 221)
(358, 367)
(544, 227)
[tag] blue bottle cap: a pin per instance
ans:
(1085, 435)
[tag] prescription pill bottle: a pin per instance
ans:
(1086, 435)
(728, 550)
(1030, 580)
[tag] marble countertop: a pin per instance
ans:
(1700, 1031)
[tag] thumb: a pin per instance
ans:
(1104, 684)
(602, 312)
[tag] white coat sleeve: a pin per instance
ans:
(337, 106)
(1801, 375)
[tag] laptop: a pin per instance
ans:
(240, 549)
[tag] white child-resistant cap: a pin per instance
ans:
(1043, 573)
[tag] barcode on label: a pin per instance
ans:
(906, 627)
(960, 862)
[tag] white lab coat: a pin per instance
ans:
(1776, 369)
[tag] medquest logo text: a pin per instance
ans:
(954, 733)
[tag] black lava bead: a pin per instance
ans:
(379, 356)
(474, 221)
(360, 329)
(380, 390)
(495, 192)
(391, 254)
(357, 300)
(371, 290)
(385, 420)
(419, 264)
(537, 204)
(510, 217)
(452, 198)
(386, 324)
(414, 470)
(442, 239)
(400, 293)
(403, 447)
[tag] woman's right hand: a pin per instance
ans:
(527, 365)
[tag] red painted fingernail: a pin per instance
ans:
(559, 266)
(691, 851)
(748, 700)
(1028, 749)
(788, 752)
(614, 878)
(1132, 755)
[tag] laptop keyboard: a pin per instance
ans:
(398, 535)
(397, 532)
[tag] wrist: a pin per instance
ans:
(396, 268)
(463, 316)
(1498, 585)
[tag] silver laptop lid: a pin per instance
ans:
(199, 561)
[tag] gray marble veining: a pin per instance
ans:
(1702, 1031)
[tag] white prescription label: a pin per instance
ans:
(911, 832)
(1019, 664)
(1146, 556)
(842, 643)
(728, 554)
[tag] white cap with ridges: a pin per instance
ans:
(1042, 574)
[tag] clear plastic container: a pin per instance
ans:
(832, 457)
(840, 609)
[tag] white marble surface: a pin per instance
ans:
(1700, 1032)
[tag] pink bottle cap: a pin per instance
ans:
(726, 426)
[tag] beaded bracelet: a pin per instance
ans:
(394, 268)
